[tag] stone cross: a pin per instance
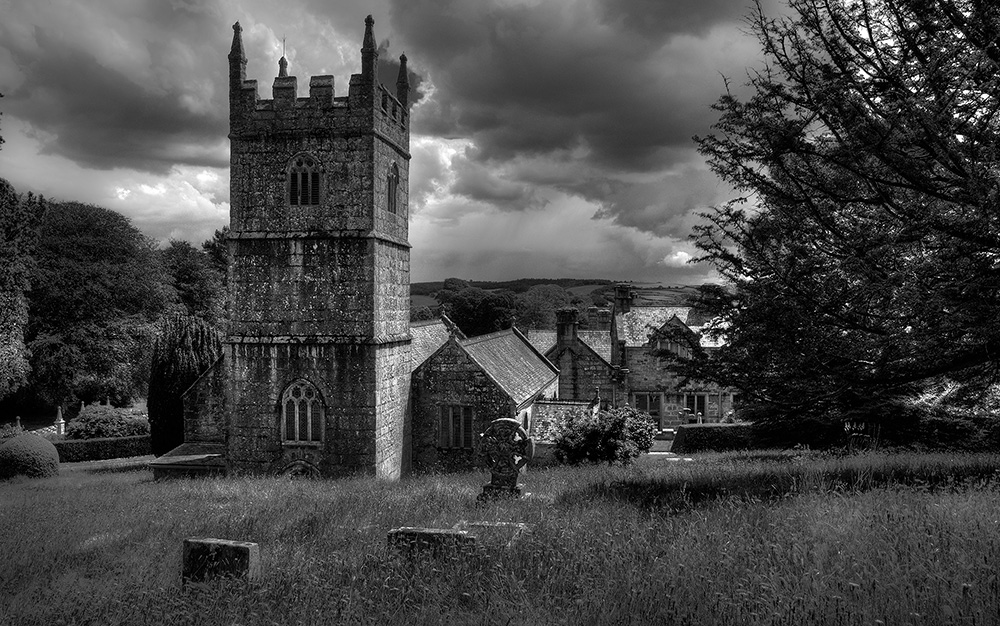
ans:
(507, 449)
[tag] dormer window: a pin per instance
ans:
(303, 181)
(392, 189)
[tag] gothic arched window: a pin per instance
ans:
(392, 189)
(301, 413)
(303, 181)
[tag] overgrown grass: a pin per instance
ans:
(844, 543)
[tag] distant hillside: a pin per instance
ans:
(517, 286)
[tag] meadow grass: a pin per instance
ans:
(726, 539)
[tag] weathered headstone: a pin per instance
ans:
(507, 448)
(207, 559)
(60, 422)
(410, 541)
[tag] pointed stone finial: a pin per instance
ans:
(402, 82)
(282, 67)
(369, 54)
(236, 52)
(369, 42)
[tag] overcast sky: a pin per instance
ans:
(550, 138)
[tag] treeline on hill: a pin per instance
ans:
(84, 296)
(479, 310)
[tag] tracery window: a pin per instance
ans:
(392, 189)
(303, 181)
(301, 413)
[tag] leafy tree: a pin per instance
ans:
(536, 307)
(616, 436)
(185, 348)
(218, 251)
(477, 311)
(864, 253)
(194, 276)
(19, 217)
(97, 291)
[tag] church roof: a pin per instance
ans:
(512, 362)
(427, 337)
(598, 340)
(635, 327)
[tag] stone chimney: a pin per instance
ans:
(602, 321)
(623, 297)
(567, 321)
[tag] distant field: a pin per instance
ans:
(419, 301)
(719, 540)
(584, 290)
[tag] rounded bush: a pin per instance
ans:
(98, 421)
(28, 455)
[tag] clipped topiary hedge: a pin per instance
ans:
(28, 455)
(713, 438)
(72, 451)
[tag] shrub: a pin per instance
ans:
(9, 431)
(28, 455)
(100, 421)
(713, 437)
(615, 436)
(73, 451)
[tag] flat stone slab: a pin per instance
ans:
(190, 459)
(494, 534)
(412, 540)
(207, 559)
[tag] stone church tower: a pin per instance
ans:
(317, 358)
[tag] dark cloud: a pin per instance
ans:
(524, 80)
(604, 93)
(102, 118)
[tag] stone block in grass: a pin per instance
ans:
(207, 559)
(435, 542)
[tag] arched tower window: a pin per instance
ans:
(303, 181)
(301, 413)
(392, 188)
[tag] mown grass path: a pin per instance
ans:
(727, 539)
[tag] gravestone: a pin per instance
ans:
(507, 449)
(436, 542)
(208, 559)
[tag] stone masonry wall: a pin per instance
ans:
(580, 373)
(450, 377)
(205, 406)
(344, 374)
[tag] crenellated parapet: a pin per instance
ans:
(368, 105)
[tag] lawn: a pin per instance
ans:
(726, 539)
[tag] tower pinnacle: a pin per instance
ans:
(402, 82)
(369, 53)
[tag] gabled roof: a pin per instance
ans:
(426, 337)
(429, 335)
(635, 326)
(517, 367)
(598, 340)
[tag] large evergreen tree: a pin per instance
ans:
(185, 348)
(864, 253)
(19, 217)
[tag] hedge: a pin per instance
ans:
(713, 438)
(74, 450)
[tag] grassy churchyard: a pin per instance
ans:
(726, 539)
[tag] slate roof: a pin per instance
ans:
(635, 326)
(598, 340)
(427, 337)
(508, 358)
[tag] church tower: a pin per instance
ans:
(317, 355)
